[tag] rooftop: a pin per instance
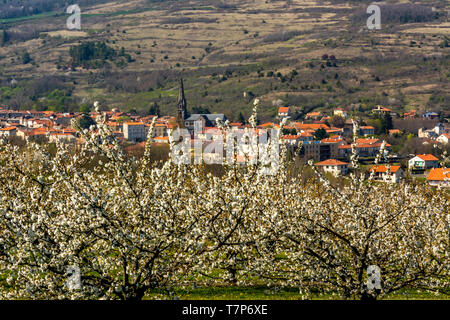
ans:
(331, 162)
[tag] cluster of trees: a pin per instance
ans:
(93, 54)
(46, 93)
(123, 228)
(382, 123)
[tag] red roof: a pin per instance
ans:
(291, 137)
(427, 157)
(268, 124)
(331, 162)
(367, 141)
(8, 129)
(381, 168)
(437, 174)
(313, 126)
(364, 145)
(283, 110)
(332, 140)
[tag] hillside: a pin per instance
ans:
(309, 54)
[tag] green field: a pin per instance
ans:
(263, 293)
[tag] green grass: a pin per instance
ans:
(264, 293)
(33, 17)
(87, 15)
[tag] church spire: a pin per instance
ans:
(181, 105)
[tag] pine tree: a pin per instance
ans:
(241, 118)
(4, 37)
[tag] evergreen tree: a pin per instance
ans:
(4, 37)
(86, 121)
(320, 134)
(26, 57)
(388, 122)
(154, 110)
(241, 118)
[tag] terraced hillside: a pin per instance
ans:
(308, 54)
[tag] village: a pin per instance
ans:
(330, 147)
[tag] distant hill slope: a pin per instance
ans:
(314, 55)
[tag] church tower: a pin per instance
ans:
(181, 106)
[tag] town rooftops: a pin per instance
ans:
(313, 126)
(368, 141)
(134, 123)
(333, 140)
(290, 137)
(331, 162)
(269, 124)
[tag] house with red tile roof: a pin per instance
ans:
(382, 110)
(410, 114)
(386, 173)
(134, 131)
(161, 139)
(8, 132)
(314, 115)
(292, 140)
(393, 132)
(423, 162)
(309, 126)
(366, 130)
(439, 177)
(364, 148)
(283, 112)
(333, 166)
